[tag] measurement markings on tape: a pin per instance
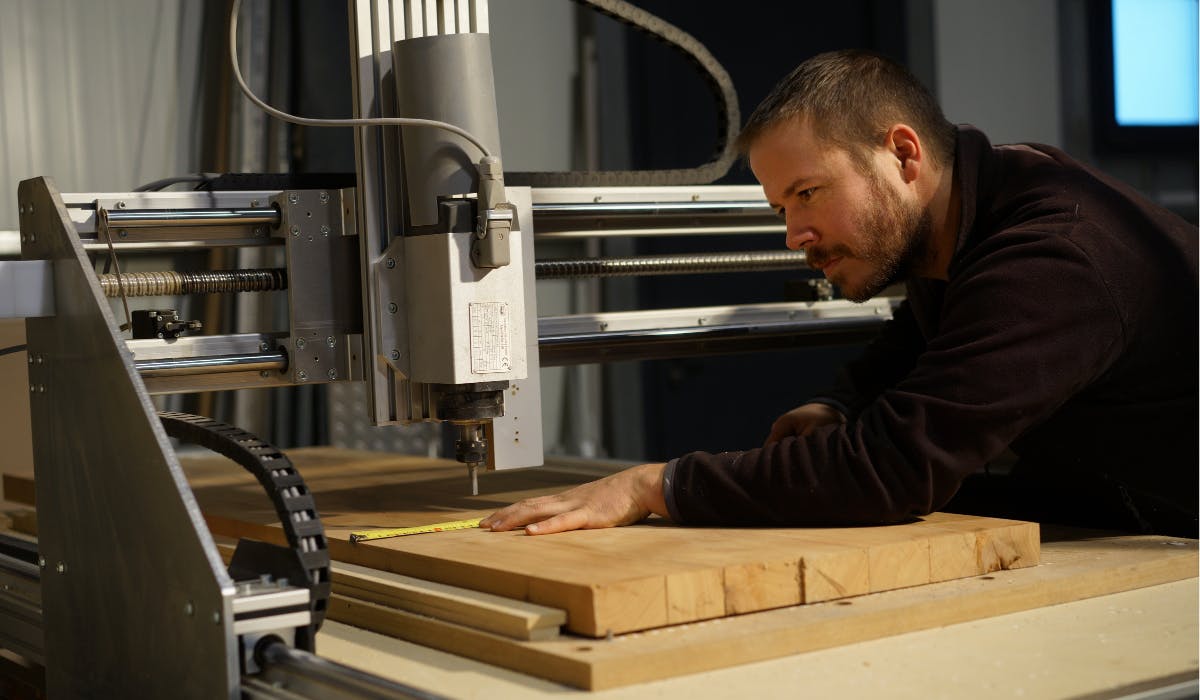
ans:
(418, 530)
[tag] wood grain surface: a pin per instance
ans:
(608, 581)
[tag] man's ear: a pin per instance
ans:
(904, 144)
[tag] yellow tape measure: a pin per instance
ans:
(418, 530)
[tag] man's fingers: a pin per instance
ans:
(525, 512)
(571, 520)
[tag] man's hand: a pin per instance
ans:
(621, 499)
(803, 420)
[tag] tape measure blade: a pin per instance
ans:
(366, 535)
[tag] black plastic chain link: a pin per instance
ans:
(284, 485)
(728, 117)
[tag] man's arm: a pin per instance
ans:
(1026, 325)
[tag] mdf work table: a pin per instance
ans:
(1118, 645)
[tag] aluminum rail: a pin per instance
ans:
(748, 261)
(656, 218)
(667, 343)
(292, 673)
(615, 209)
(212, 364)
(156, 218)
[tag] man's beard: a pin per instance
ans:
(895, 239)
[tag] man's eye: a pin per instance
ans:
(806, 194)
(781, 213)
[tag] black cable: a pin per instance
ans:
(719, 82)
(12, 348)
(166, 182)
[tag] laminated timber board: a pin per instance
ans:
(608, 581)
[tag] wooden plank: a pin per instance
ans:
(19, 488)
(1075, 570)
(511, 618)
(610, 581)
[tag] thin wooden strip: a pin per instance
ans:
(525, 657)
(512, 618)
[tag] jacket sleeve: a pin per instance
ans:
(1026, 323)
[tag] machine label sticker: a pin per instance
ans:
(489, 337)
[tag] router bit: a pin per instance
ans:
(471, 449)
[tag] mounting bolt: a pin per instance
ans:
(324, 197)
(300, 343)
(265, 374)
(295, 229)
(189, 609)
(42, 562)
(302, 376)
(395, 354)
(120, 205)
(391, 263)
(61, 567)
(332, 373)
(392, 308)
(293, 197)
(324, 229)
(331, 341)
(216, 617)
(263, 346)
(254, 202)
(122, 233)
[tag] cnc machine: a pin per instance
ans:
(418, 282)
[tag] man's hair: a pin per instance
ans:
(851, 98)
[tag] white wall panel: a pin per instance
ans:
(90, 94)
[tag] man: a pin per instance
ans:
(1050, 310)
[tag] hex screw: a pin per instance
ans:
(293, 198)
(392, 308)
(302, 376)
(332, 373)
(61, 568)
(300, 343)
(323, 197)
(263, 346)
(324, 229)
(391, 263)
(265, 374)
(120, 205)
(395, 354)
(331, 341)
(295, 229)
(42, 562)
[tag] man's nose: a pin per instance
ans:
(799, 236)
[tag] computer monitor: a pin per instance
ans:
(1145, 74)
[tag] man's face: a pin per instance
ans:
(863, 230)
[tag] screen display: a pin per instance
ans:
(1155, 62)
